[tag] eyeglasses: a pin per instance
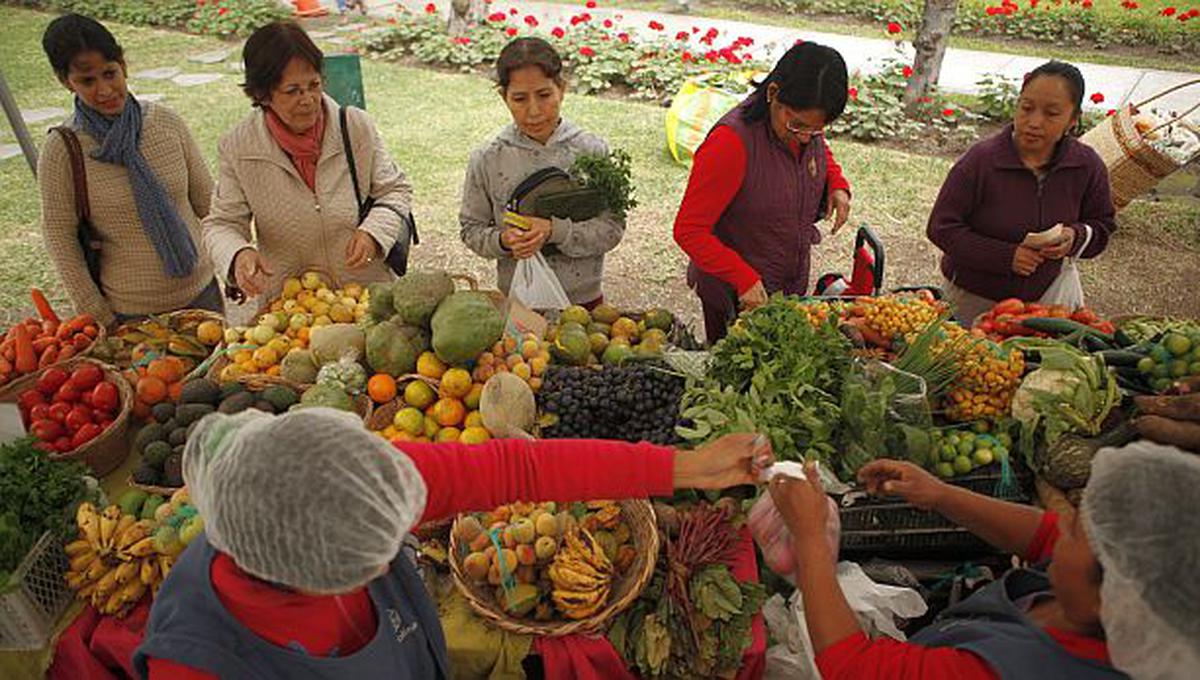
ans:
(802, 129)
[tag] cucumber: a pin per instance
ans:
(1122, 339)
(1121, 357)
(1058, 327)
(1093, 343)
(1132, 386)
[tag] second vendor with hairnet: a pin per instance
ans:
(299, 572)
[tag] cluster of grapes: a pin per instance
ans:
(636, 402)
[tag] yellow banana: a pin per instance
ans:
(82, 513)
(143, 548)
(112, 604)
(134, 533)
(76, 548)
(569, 579)
(86, 592)
(126, 572)
(108, 582)
(148, 570)
(81, 562)
(123, 525)
(96, 569)
(108, 526)
(132, 592)
(164, 565)
(89, 524)
(75, 579)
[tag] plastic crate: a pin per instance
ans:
(30, 611)
(894, 528)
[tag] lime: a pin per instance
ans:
(981, 426)
(1196, 352)
(1160, 384)
(1160, 371)
(983, 457)
(1145, 365)
(987, 441)
(1194, 368)
(946, 470)
(962, 465)
(949, 453)
(1177, 344)
(1161, 354)
(954, 438)
(1179, 368)
(409, 420)
(1005, 440)
(965, 448)
(1001, 453)
(967, 437)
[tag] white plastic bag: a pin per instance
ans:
(775, 540)
(1067, 288)
(536, 285)
(875, 605)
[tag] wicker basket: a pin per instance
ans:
(640, 516)
(30, 611)
(167, 491)
(383, 414)
(106, 452)
(1134, 166)
(24, 382)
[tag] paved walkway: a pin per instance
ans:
(961, 70)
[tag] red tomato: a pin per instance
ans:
(67, 393)
(29, 399)
(1037, 309)
(85, 434)
(85, 398)
(106, 398)
(59, 411)
(39, 412)
(1058, 312)
(63, 445)
(79, 416)
(104, 423)
(1085, 316)
(86, 376)
(1105, 327)
(45, 447)
(50, 380)
(986, 326)
(46, 430)
(1009, 306)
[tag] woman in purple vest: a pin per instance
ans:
(760, 181)
(1030, 177)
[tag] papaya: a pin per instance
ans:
(391, 351)
(465, 324)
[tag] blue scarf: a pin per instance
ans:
(119, 138)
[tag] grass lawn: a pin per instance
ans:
(764, 12)
(431, 120)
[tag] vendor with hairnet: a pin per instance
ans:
(1120, 596)
(299, 572)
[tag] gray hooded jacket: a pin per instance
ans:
(497, 168)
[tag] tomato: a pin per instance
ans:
(85, 434)
(50, 380)
(986, 326)
(59, 411)
(85, 398)
(63, 445)
(1105, 327)
(104, 423)
(1009, 306)
(1058, 312)
(45, 447)
(39, 412)
(86, 376)
(67, 393)
(106, 398)
(46, 430)
(1085, 316)
(79, 416)
(29, 399)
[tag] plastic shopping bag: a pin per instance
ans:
(536, 285)
(1067, 288)
(773, 536)
(695, 109)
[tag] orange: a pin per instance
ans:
(165, 370)
(382, 388)
(274, 370)
(174, 391)
(141, 409)
(449, 412)
(430, 366)
(448, 434)
(473, 397)
(151, 390)
(456, 383)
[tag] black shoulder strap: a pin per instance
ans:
(83, 209)
(343, 120)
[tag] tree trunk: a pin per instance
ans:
(937, 22)
(465, 15)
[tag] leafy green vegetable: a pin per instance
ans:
(36, 495)
(716, 593)
(611, 175)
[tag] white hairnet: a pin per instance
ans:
(1141, 516)
(310, 499)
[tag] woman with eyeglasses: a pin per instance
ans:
(759, 183)
(284, 167)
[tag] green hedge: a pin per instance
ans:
(224, 18)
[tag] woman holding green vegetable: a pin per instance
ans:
(530, 79)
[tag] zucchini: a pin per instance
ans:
(1121, 357)
(1059, 327)
(1132, 386)
(1122, 339)
(1093, 343)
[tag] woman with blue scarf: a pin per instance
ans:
(147, 188)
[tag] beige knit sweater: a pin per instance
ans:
(131, 272)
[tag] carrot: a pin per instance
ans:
(43, 305)
(91, 331)
(49, 328)
(66, 352)
(26, 360)
(40, 344)
(6, 366)
(50, 356)
(81, 341)
(73, 326)
(1179, 433)
(9, 353)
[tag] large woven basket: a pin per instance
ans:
(1134, 166)
(640, 516)
(24, 382)
(106, 452)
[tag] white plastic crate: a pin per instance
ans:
(29, 612)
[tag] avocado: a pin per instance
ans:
(178, 436)
(200, 391)
(230, 389)
(169, 427)
(280, 397)
(187, 414)
(236, 403)
(173, 470)
(264, 406)
(163, 412)
(156, 453)
(154, 432)
(147, 474)
(131, 502)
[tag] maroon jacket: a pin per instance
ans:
(990, 201)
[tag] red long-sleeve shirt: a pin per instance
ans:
(459, 479)
(717, 173)
(859, 658)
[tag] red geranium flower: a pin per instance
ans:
(511, 31)
(497, 16)
(893, 28)
(1111, 112)
(687, 57)
(591, 4)
(584, 18)
(712, 56)
(623, 37)
(948, 113)
(1168, 11)
(1097, 97)
(852, 93)
(431, 8)
(655, 26)
(531, 21)
(608, 23)
(512, 11)
(682, 35)
(907, 72)
(221, 11)
(587, 51)
(558, 32)
(1087, 4)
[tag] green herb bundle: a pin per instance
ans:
(611, 175)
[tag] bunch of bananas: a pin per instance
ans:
(897, 315)
(114, 561)
(989, 378)
(581, 575)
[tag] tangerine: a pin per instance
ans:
(382, 388)
(151, 390)
(449, 412)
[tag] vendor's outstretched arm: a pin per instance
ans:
(1007, 526)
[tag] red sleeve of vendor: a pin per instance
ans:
(464, 478)
(717, 172)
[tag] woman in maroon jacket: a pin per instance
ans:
(760, 181)
(1032, 176)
